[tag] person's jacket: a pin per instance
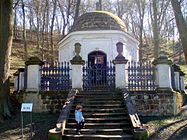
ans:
(78, 116)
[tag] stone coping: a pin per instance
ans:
(77, 60)
(162, 60)
(21, 70)
(34, 61)
(166, 92)
(120, 60)
(176, 67)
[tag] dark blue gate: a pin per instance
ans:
(55, 77)
(99, 77)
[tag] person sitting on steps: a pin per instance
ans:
(79, 118)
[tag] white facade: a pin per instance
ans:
(100, 40)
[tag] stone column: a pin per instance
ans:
(182, 88)
(177, 77)
(16, 81)
(21, 78)
(163, 73)
(77, 68)
(120, 66)
(33, 73)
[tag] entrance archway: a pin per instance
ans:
(97, 59)
(97, 63)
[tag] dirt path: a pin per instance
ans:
(176, 129)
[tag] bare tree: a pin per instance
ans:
(6, 35)
(77, 9)
(181, 24)
(24, 30)
(141, 12)
(52, 27)
(156, 33)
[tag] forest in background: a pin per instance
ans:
(40, 24)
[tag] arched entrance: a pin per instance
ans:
(98, 74)
(97, 59)
(97, 62)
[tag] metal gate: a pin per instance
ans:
(99, 77)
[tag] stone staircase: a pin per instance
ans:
(105, 116)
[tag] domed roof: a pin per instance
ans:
(98, 20)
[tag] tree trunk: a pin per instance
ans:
(52, 26)
(24, 31)
(6, 36)
(77, 9)
(15, 22)
(141, 11)
(181, 25)
(155, 30)
(38, 29)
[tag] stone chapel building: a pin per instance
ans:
(98, 33)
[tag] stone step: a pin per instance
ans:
(98, 131)
(98, 137)
(97, 92)
(106, 125)
(99, 102)
(78, 100)
(105, 117)
(98, 96)
(87, 105)
(99, 110)
(102, 120)
(101, 115)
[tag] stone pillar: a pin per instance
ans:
(33, 73)
(21, 78)
(163, 72)
(177, 77)
(16, 82)
(120, 65)
(77, 68)
(182, 88)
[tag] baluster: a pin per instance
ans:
(62, 75)
(48, 77)
(83, 76)
(68, 76)
(140, 75)
(129, 75)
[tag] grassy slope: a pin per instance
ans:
(17, 56)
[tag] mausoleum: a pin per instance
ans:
(98, 33)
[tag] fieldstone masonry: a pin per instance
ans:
(162, 103)
(52, 101)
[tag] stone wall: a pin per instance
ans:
(53, 101)
(165, 103)
(50, 101)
